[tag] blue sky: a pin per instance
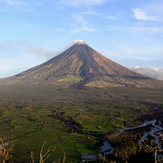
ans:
(128, 32)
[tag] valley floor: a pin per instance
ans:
(76, 129)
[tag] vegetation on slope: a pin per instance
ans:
(77, 67)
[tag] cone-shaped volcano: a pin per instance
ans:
(78, 66)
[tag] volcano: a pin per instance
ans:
(78, 73)
(80, 66)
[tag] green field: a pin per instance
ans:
(67, 126)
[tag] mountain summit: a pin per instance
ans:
(78, 67)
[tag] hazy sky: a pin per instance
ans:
(129, 32)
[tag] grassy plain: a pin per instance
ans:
(68, 126)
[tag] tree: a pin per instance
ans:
(5, 150)
(156, 148)
(44, 155)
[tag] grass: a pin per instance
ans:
(29, 125)
(35, 127)
(54, 93)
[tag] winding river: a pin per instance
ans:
(156, 131)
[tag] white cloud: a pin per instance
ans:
(148, 29)
(13, 2)
(26, 47)
(83, 24)
(79, 19)
(14, 65)
(9, 64)
(6, 45)
(77, 3)
(90, 12)
(84, 28)
(13, 6)
(153, 72)
(141, 15)
(38, 51)
(131, 29)
(151, 11)
(18, 56)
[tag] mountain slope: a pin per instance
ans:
(79, 66)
